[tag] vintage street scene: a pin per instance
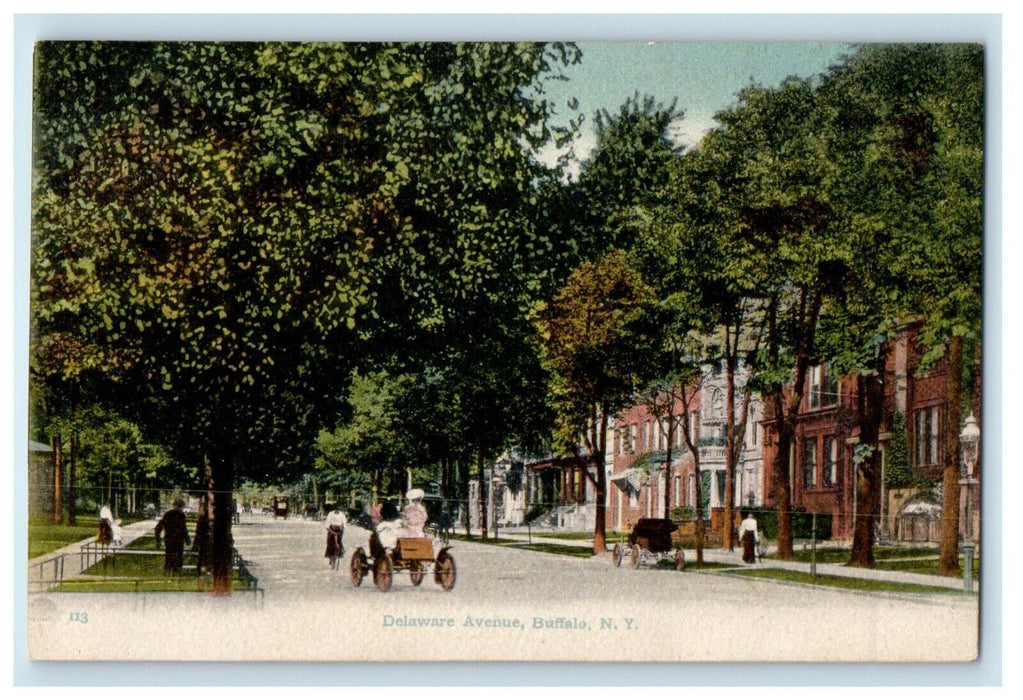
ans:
(631, 351)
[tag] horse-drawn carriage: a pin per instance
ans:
(649, 537)
(389, 553)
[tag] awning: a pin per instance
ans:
(629, 480)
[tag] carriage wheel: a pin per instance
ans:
(383, 573)
(617, 555)
(415, 572)
(444, 571)
(680, 560)
(357, 567)
(636, 556)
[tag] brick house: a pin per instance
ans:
(823, 473)
(637, 452)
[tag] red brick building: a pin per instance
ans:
(823, 474)
(638, 451)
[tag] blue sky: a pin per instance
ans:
(704, 76)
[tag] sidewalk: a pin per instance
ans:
(40, 566)
(721, 556)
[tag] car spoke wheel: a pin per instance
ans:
(383, 573)
(444, 571)
(415, 572)
(357, 567)
(637, 555)
(617, 555)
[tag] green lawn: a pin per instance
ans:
(840, 555)
(143, 572)
(582, 536)
(44, 536)
(925, 566)
(555, 548)
(549, 547)
(854, 584)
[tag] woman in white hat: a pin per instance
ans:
(414, 515)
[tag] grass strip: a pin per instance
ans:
(840, 555)
(45, 536)
(548, 547)
(135, 571)
(924, 566)
(843, 582)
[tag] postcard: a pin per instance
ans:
(506, 351)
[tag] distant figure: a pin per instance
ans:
(414, 515)
(748, 537)
(151, 511)
(336, 522)
(237, 509)
(109, 528)
(173, 525)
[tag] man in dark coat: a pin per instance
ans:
(173, 526)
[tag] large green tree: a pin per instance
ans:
(782, 242)
(602, 336)
(907, 138)
(221, 231)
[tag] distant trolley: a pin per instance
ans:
(388, 553)
(650, 537)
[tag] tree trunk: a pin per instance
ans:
(600, 494)
(482, 496)
(700, 533)
(463, 495)
(222, 472)
(600, 482)
(781, 491)
(72, 490)
(670, 437)
(870, 391)
(58, 466)
(948, 558)
(729, 541)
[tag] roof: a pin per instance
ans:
(34, 446)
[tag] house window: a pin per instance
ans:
(810, 463)
(830, 461)
(720, 480)
(927, 434)
(823, 387)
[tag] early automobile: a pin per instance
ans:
(389, 553)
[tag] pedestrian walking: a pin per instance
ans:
(748, 537)
(175, 529)
(109, 527)
(335, 523)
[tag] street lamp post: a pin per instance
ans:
(969, 441)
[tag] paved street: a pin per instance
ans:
(508, 603)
